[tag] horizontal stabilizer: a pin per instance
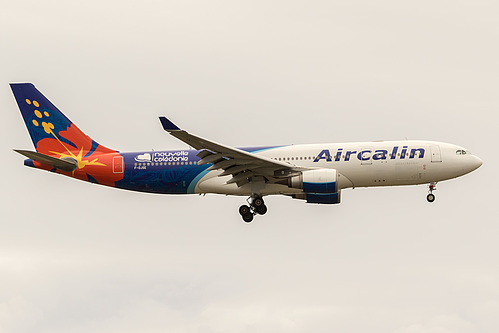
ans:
(68, 164)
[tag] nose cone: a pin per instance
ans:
(477, 162)
(472, 163)
(468, 164)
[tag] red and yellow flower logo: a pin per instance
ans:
(94, 161)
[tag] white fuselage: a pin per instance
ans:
(361, 164)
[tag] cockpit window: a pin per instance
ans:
(462, 152)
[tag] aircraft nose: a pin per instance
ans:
(477, 162)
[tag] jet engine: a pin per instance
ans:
(319, 186)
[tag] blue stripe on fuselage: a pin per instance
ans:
(161, 172)
(167, 172)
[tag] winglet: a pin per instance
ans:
(168, 125)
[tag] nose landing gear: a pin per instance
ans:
(432, 187)
(256, 206)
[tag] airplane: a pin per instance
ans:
(315, 173)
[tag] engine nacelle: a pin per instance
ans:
(320, 198)
(316, 181)
(320, 186)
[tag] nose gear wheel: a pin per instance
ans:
(432, 187)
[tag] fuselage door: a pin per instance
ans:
(435, 154)
(118, 164)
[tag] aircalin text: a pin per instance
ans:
(367, 154)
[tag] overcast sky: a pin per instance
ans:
(76, 257)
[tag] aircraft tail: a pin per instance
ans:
(51, 131)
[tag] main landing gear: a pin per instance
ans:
(432, 187)
(256, 206)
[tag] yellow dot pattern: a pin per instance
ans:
(48, 127)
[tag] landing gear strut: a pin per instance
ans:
(256, 206)
(432, 187)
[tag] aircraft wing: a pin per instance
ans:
(240, 164)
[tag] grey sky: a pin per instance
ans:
(76, 257)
